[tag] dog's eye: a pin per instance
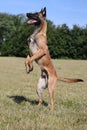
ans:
(36, 14)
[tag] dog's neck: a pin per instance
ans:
(43, 27)
(40, 29)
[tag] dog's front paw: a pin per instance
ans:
(29, 69)
(28, 64)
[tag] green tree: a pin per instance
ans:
(63, 42)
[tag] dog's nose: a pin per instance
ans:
(27, 14)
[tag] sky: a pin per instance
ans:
(70, 12)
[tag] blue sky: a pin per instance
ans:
(58, 11)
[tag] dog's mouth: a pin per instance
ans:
(31, 21)
(33, 18)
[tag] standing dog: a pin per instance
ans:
(39, 52)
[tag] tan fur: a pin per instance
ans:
(43, 59)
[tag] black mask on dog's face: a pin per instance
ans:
(36, 18)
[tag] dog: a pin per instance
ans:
(39, 52)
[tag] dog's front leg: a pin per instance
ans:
(28, 64)
(29, 60)
(38, 54)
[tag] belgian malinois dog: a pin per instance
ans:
(39, 52)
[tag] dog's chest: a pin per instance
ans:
(32, 46)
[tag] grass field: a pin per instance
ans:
(18, 98)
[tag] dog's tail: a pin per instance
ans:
(69, 80)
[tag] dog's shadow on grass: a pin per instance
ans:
(19, 99)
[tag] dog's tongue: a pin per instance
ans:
(31, 21)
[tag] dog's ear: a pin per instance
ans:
(43, 11)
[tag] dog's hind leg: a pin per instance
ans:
(51, 85)
(42, 84)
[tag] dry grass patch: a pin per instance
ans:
(18, 98)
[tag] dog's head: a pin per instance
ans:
(37, 18)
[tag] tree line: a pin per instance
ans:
(63, 42)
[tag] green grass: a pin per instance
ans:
(18, 98)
